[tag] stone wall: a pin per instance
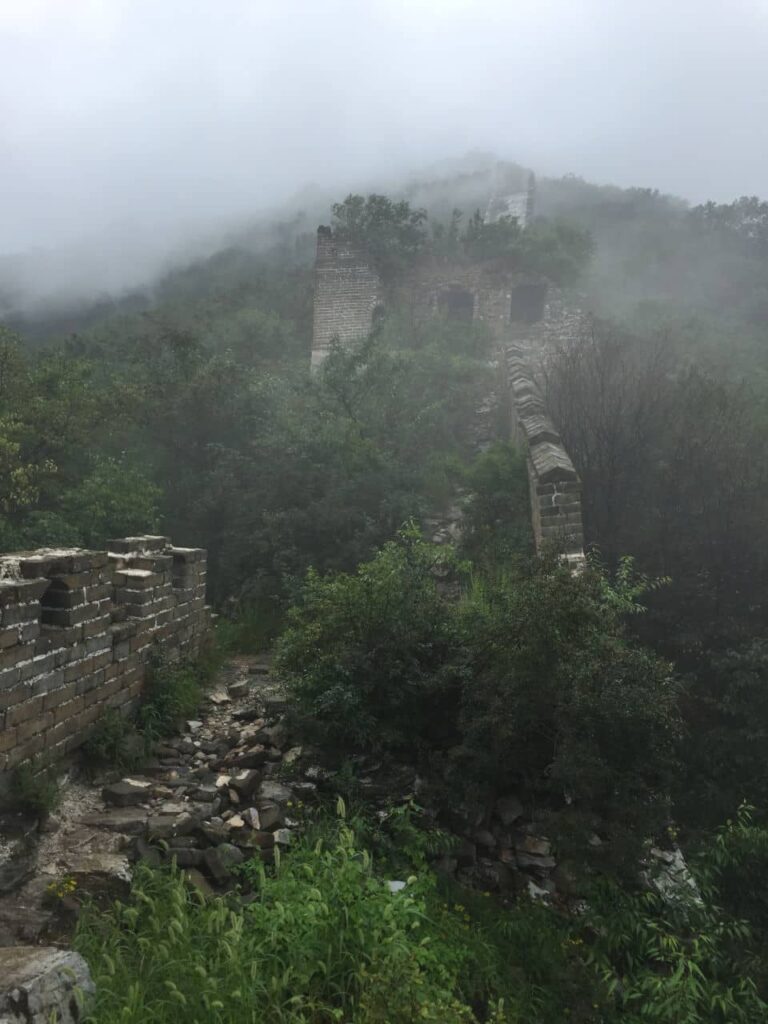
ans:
(555, 487)
(494, 295)
(76, 630)
(347, 290)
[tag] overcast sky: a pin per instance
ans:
(151, 113)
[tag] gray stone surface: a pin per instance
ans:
(41, 984)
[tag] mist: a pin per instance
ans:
(137, 134)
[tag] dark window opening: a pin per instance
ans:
(527, 304)
(58, 596)
(457, 304)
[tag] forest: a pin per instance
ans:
(628, 702)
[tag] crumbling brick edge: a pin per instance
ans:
(77, 628)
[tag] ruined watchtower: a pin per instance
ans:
(347, 291)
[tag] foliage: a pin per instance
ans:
(369, 656)
(561, 700)
(724, 750)
(324, 940)
(172, 693)
(114, 499)
(557, 250)
(497, 520)
(114, 742)
(671, 960)
(393, 234)
(530, 680)
(34, 786)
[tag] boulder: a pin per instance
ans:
(37, 985)
(127, 793)
(270, 815)
(165, 826)
(534, 845)
(275, 791)
(508, 809)
(245, 782)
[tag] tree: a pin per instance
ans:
(393, 233)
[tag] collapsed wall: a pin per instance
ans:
(76, 631)
(347, 291)
(554, 484)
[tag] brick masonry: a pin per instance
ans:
(347, 290)
(76, 630)
(554, 485)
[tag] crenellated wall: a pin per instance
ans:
(76, 630)
(554, 484)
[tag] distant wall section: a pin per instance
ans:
(555, 487)
(76, 631)
(347, 291)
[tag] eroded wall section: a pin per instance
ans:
(347, 291)
(555, 487)
(76, 631)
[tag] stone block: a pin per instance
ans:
(54, 698)
(12, 656)
(142, 544)
(34, 726)
(39, 985)
(48, 681)
(24, 751)
(8, 738)
(68, 709)
(24, 711)
(61, 635)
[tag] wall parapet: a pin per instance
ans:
(555, 486)
(76, 631)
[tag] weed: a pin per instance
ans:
(35, 787)
(115, 742)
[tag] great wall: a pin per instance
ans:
(525, 318)
(78, 630)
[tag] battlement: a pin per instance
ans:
(76, 631)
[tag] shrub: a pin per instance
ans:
(369, 656)
(35, 787)
(115, 742)
(561, 700)
(172, 692)
(497, 523)
(530, 680)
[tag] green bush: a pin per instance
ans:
(369, 656)
(34, 787)
(172, 692)
(530, 680)
(560, 699)
(115, 742)
(498, 520)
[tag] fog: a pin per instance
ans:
(135, 132)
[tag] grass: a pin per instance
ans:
(324, 941)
